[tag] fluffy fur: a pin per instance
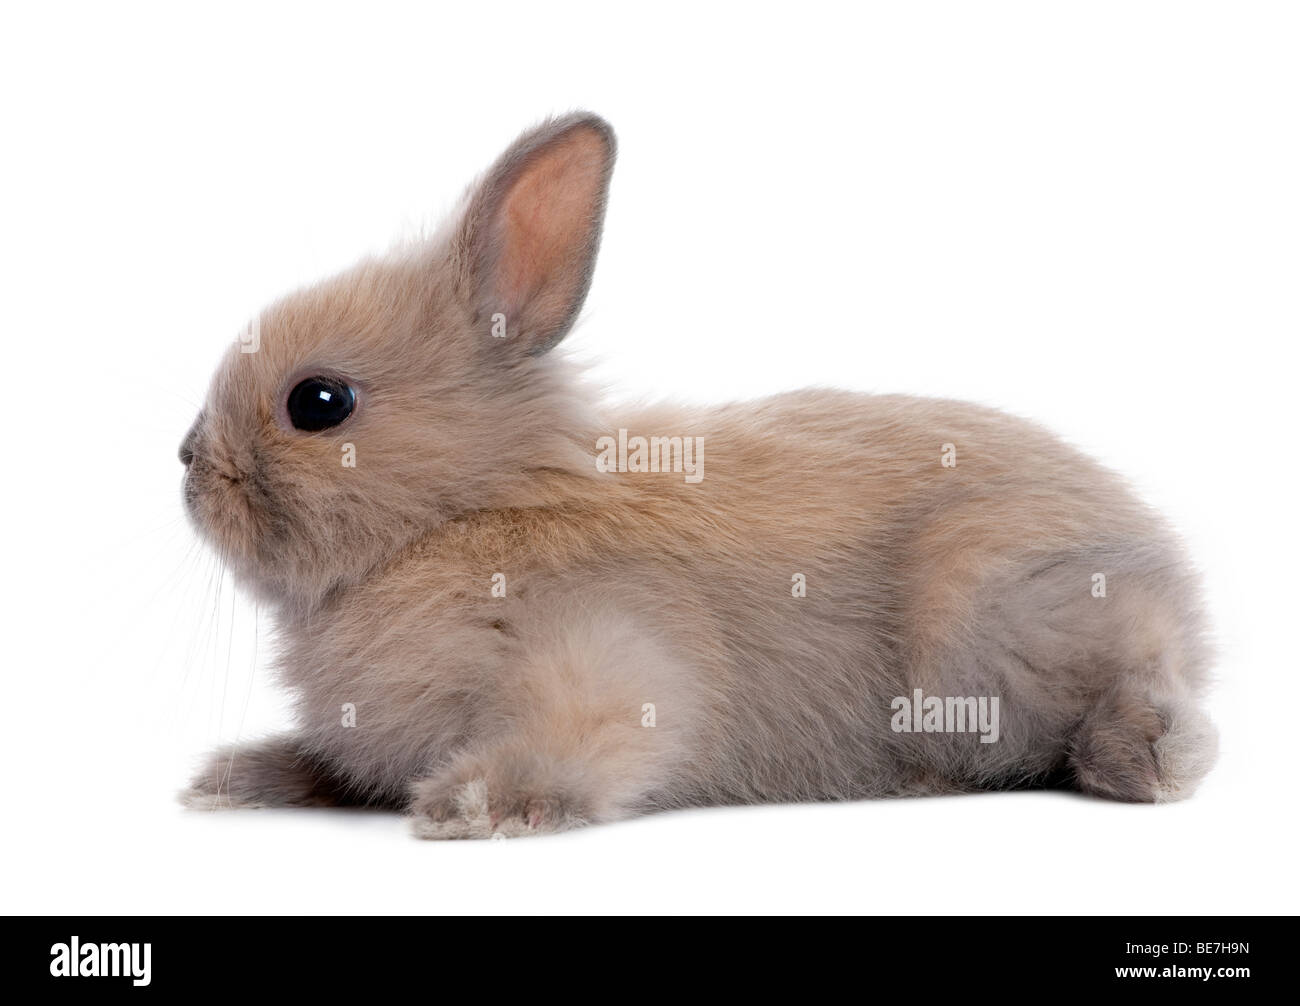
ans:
(482, 715)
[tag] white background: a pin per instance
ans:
(1083, 213)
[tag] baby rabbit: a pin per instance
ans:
(507, 613)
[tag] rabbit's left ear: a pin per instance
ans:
(527, 244)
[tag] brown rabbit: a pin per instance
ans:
(507, 613)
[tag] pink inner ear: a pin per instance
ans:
(546, 227)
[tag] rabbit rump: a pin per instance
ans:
(507, 612)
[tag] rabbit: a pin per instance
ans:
(500, 619)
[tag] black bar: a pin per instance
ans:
(942, 955)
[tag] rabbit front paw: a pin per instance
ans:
(475, 809)
(271, 773)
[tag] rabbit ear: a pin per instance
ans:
(526, 246)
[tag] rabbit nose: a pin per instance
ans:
(186, 452)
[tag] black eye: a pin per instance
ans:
(319, 403)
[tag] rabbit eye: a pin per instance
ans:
(319, 403)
